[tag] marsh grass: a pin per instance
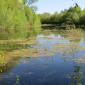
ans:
(75, 34)
(11, 49)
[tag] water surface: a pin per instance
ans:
(64, 64)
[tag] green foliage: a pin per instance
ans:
(15, 19)
(73, 16)
(12, 19)
(56, 18)
(33, 21)
(45, 17)
(82, 18)
(36, 24)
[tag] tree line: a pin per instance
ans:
(72, 16)
(18, 19)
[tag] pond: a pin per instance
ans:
(61, 61)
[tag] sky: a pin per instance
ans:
(52, 6)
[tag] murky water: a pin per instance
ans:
(61, 62)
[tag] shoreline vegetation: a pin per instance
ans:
(18, 22)
(73, 17)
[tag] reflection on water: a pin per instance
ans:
(77, 76)
(64, 64)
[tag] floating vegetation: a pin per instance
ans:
(40, 57)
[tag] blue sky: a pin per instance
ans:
(56, 5)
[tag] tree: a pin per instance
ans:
(82, 18)
(15, 19)
(72, 15)
(33, 21)
(56, 18)
(45, 17)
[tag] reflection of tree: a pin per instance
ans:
(69, 53)
(8, 66)
(76, 41)
(76, 77)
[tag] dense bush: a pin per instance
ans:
(15, 19)
(73, 15)
(33, 21)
